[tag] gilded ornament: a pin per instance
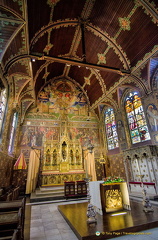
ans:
(48, 48)
(124, 23)
(101, 58)
(113, 199)
(52, 3)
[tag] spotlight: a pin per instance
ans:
(33, 59)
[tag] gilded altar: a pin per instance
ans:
(50, 179)
(62, 160)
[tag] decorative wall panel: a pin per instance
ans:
(142, 165)
(6, 167)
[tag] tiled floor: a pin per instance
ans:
(48, 224)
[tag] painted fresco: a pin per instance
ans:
(85, 135)
(59, 96)
(59, 127)
(34, 135)
(152, 114)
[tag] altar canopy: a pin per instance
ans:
(33, 170)
(20, 163)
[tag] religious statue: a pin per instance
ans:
(48, 157)
(64, 154)
(55, 157)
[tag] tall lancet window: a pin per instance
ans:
(136, 118)
(3, 101)
(111, 131)
(12, 131)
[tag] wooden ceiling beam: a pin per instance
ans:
(73, 62)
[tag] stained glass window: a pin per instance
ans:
(136, 118)
(12, 132)
(111, 131)
(3, 100)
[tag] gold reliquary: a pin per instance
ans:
(114, 197)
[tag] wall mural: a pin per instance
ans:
(59, 127)
(35, 135)
(62, 96)
(64, 100)
(152, 114)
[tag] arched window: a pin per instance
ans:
(3, 101)
(12, 132)
(110, 126)
(136, 118)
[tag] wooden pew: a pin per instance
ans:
(13, 235)
(15, 193)
(9, 196)
(14, 206)
(6, 206)
(9, 221)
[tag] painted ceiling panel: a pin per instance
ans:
(9, 24)
(141, 29)
(118, 38)
(55, 69)
(106, 15)
(20, 67)
(79, 74)
(15, 6)
(68, 9)
(16, 47)
(93, 91)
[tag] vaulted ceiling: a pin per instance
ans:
(97, 44)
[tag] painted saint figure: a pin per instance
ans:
(152, 115)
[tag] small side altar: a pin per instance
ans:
(114, 196)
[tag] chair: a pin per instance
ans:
(69, 189)
(81, 188)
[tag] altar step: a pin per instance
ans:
(43, 194)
